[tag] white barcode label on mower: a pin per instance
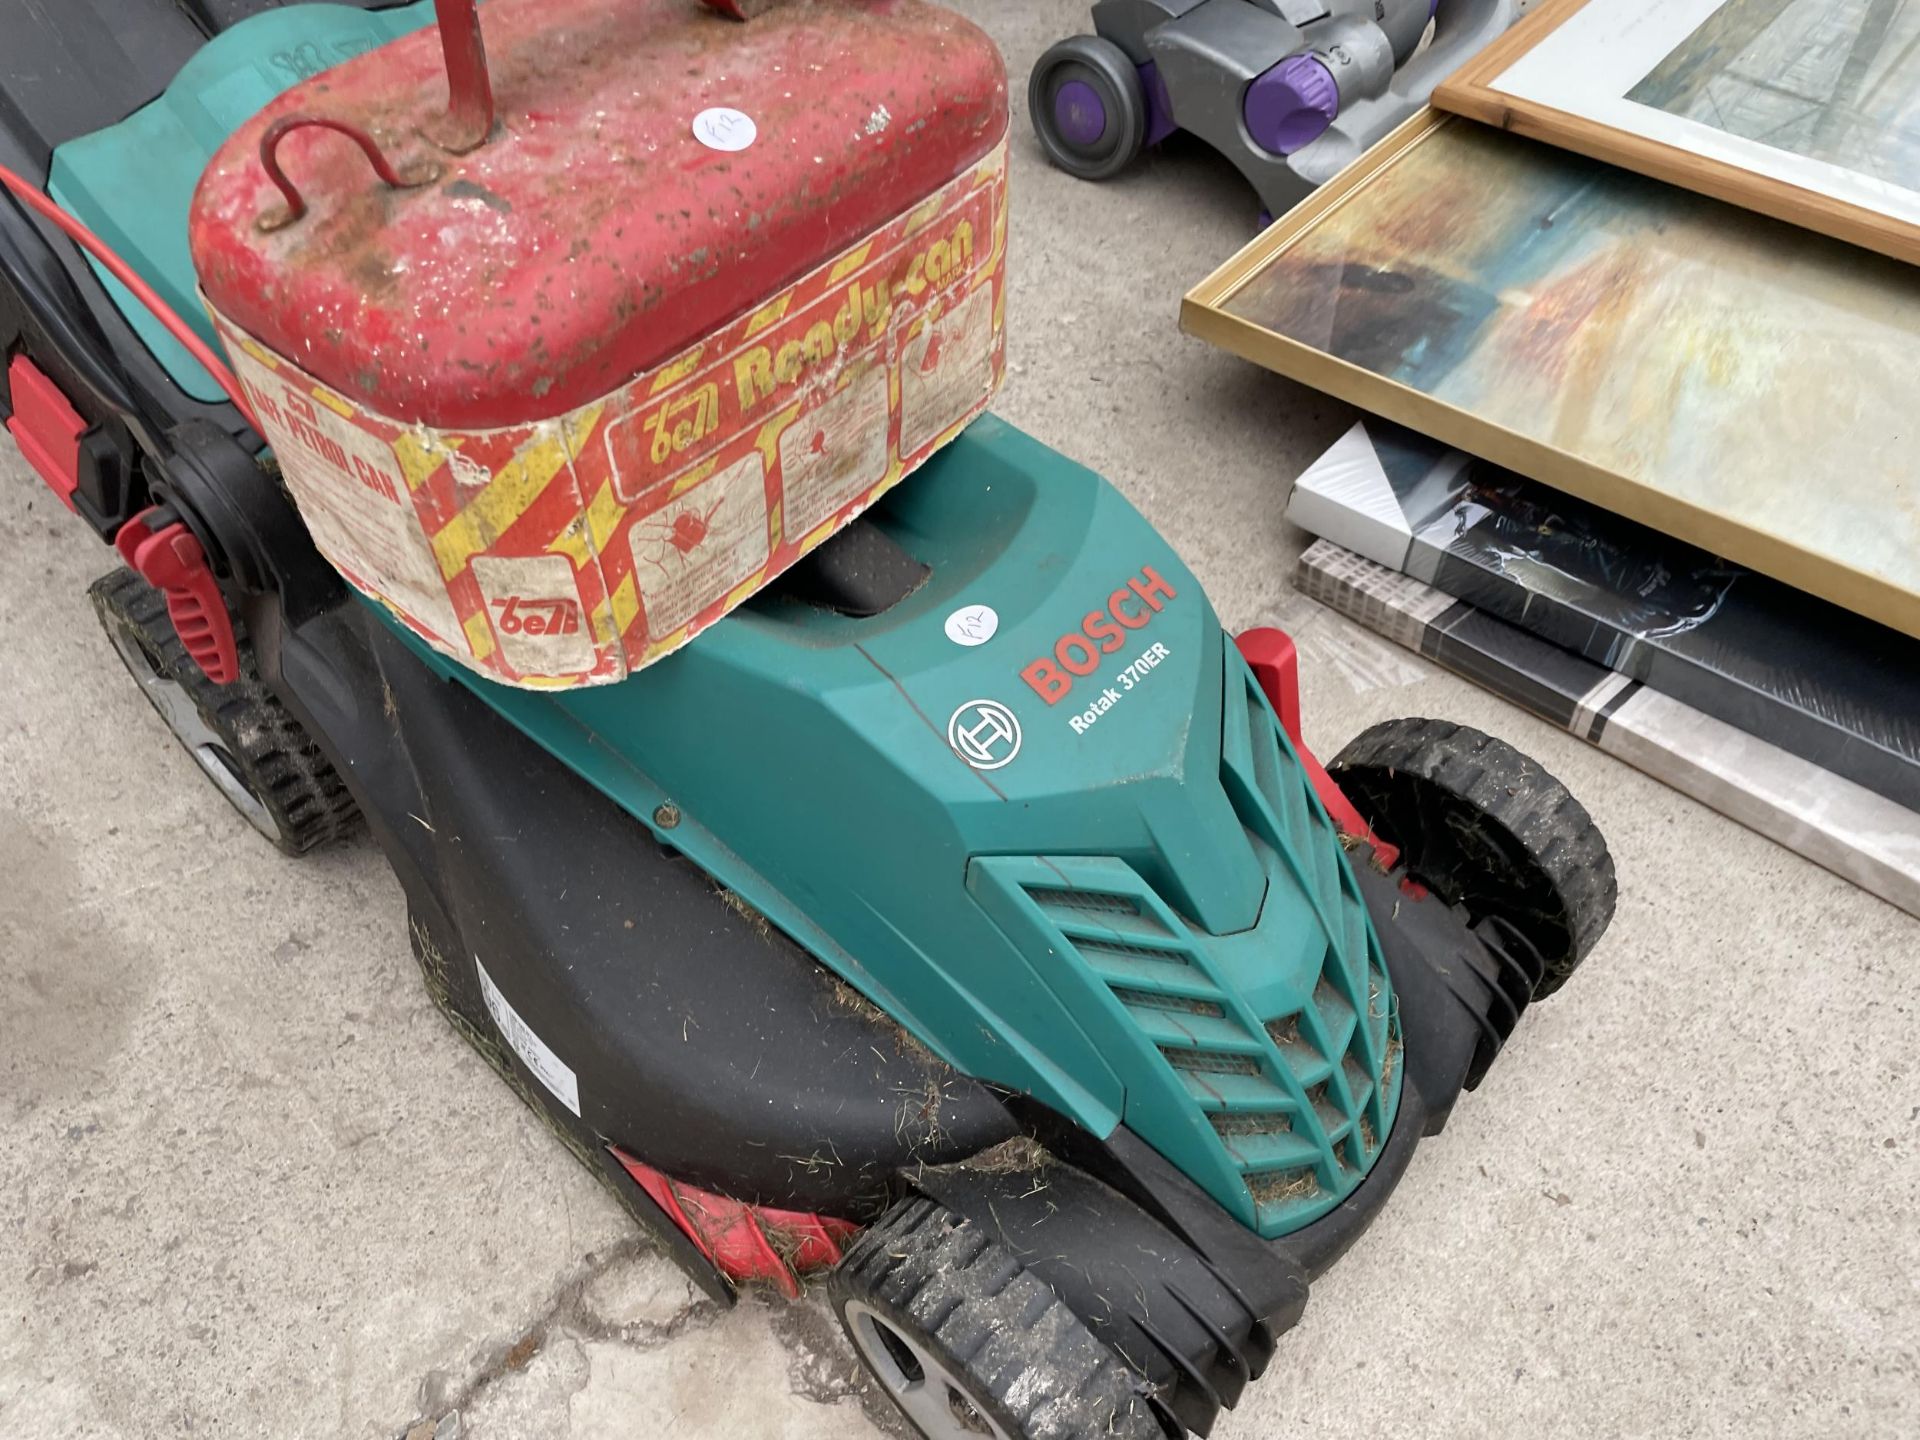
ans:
(535, 1053)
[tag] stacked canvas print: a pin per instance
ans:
(1780, 711)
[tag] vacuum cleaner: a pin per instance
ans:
(1290, 91)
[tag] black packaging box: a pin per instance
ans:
(1798, 672)
(1844, 827)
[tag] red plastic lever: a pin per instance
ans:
(1275, 663)
(171, 560)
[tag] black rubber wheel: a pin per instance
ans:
(969, 1344)
(1088, 107)
(1488, 829)
(245, 741)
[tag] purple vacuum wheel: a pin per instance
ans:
(1080, 114)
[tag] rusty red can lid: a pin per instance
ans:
(654, 172)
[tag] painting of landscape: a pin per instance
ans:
(1758, 374)
(1832, 80)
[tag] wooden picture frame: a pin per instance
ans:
(1806, 190)
(1792, 488)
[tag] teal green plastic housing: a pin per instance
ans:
(1140, 914)
(1127, 903)
(133, 183)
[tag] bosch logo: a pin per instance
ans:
(1077, 653)
(985, 734)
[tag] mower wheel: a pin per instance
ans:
(250, 746)
(1089, 107)
(1489, 830)
(970, 1344)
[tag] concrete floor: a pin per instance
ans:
(253, 1186)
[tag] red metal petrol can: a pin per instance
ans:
(703, 292)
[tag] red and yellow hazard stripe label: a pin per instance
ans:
(578, 549)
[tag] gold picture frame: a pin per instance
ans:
(1843, 525)
(1658, 139)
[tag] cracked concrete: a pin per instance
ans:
(629, 1346)
(253, 1186)
(639, 1354)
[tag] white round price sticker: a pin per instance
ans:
(972, 625)
(726, 129)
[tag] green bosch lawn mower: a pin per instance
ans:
(961, 916)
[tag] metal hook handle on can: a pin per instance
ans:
(296, 206)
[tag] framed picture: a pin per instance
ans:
(1805, 110)
(1731, 381)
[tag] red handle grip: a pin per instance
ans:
(171, 560)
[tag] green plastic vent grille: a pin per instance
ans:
(1281, 1042)
(1340, 1049)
